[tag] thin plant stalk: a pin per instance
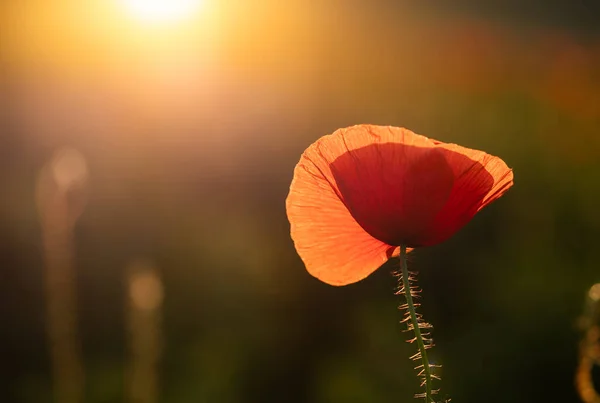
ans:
(589, 348)
(420, 328)
(144, 316)
(61, 321)
(58, 181)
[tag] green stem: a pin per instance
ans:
(415, 323)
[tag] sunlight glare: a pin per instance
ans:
(162, 10)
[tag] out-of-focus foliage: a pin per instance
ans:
(191, 135)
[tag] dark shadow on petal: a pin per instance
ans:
(402, 194)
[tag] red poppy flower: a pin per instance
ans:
(362, 191)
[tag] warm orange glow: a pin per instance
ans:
(162, 10)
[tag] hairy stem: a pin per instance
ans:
(416, 325)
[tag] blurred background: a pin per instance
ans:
(146, 151)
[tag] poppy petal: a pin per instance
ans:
(393, 181)
(480, 179)
(332, 245)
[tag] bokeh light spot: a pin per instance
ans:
(69, 168)
(595, 292)
(146, 289)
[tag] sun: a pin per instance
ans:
(162, 10)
